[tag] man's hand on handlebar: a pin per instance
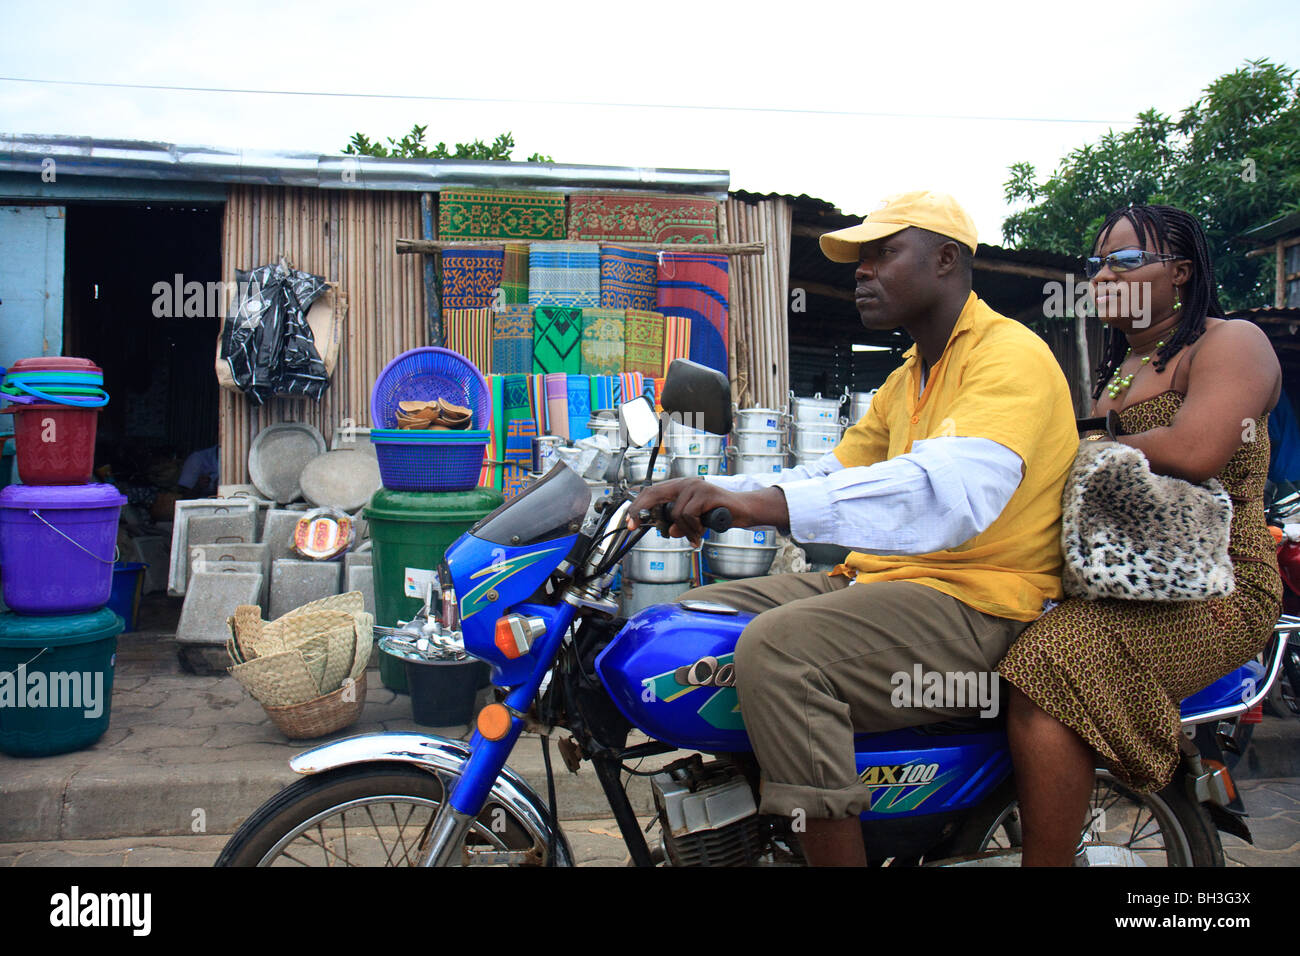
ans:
(693, 497)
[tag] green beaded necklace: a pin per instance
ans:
(1118, 383)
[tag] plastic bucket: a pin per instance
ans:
(442, 692)
(124, 600)
(56, 681)
(55, 443)
(57, 545)
(411, 532)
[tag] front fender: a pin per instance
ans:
(444, 758)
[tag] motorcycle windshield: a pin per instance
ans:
(550, 508)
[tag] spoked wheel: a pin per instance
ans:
(368, 815)
(1125, 828)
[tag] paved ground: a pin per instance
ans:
(187, 753)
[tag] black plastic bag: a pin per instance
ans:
(266, 340)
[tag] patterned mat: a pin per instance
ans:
(643, 336)
(500, 214)
(695, 287)
(469, 332)
(557, 340)
(579, 398)
(514, 274)
(512, 340)
(629, 278)
(564, 274)
(602, 341)
(636, 217)
(470, 278)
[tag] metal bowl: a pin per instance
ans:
(659, 560)
(759, 464)
(693, 466)
(759, 419)
(815, 439)
(741, 552)
(812, 410)
(639, 595)
(695, 444)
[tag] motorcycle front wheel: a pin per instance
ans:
(1124, 828)
(365, 815)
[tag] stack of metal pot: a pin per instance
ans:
(757, 442)
(859, 402)
(692, 453)
(815, 427)
(658, 570)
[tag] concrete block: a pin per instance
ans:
(361, 577)
(223, 529)
(179, 561)
(210, 599)
(257, 552)
(355, 559)
(277, 535)
(295, 583)
(234, 567)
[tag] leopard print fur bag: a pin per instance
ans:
(1127, 533)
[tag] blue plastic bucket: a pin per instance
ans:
(128, 582)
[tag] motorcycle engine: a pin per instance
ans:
(707, 814)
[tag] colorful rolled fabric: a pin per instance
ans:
(628, 278)
(557, 340)
(469, 332)
(642, 217)
(470, 278)
(695, 286)
(579, 389)
(564, 274)
(557, 403)
(500, 214)
(490, 475)
(517, 403)
(519, 453)
(602, 392)
(537, 398)
(512, 340)
(677, 339)
(643, 335)
(602, 341)
(514, 274)
(629, 385)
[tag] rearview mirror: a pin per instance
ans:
(639, 422)
(701, 396)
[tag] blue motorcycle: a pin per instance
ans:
(528, 589)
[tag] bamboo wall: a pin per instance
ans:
(349, 237)
(758, 346)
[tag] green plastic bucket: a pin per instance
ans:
(56, 681)
(411, 531)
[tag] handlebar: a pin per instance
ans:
(715, 519)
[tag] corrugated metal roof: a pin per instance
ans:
(135, 159)
(1272, 230)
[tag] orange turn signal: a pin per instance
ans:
(494, 722)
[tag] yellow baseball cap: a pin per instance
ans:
(937, 212)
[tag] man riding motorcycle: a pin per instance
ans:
(950, 486)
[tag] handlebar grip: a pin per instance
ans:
(717, 519)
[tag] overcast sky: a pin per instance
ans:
(953, 74)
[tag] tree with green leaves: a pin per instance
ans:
(411, 146)
(1232, 159)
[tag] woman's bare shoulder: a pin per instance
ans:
(1240, 347)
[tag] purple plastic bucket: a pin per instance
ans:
(57, 545)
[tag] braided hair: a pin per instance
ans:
(1164, 227)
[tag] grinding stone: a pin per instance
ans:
(342, 479)
(279, 454)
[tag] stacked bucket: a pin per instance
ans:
(815, 427)
(58, 536)
(757, 443)
(429, 498)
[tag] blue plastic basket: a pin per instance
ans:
(425, 374)
(430, 466)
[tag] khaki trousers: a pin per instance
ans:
(820, 663)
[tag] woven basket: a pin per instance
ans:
(321, 716)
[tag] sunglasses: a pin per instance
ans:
(1124, 260)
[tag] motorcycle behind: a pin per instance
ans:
(527, 589)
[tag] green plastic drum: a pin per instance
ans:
(56, 681)
(411, 531)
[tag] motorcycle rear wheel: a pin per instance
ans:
(363, 815)
(1120, 826)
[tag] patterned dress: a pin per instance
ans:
(1116, 671)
